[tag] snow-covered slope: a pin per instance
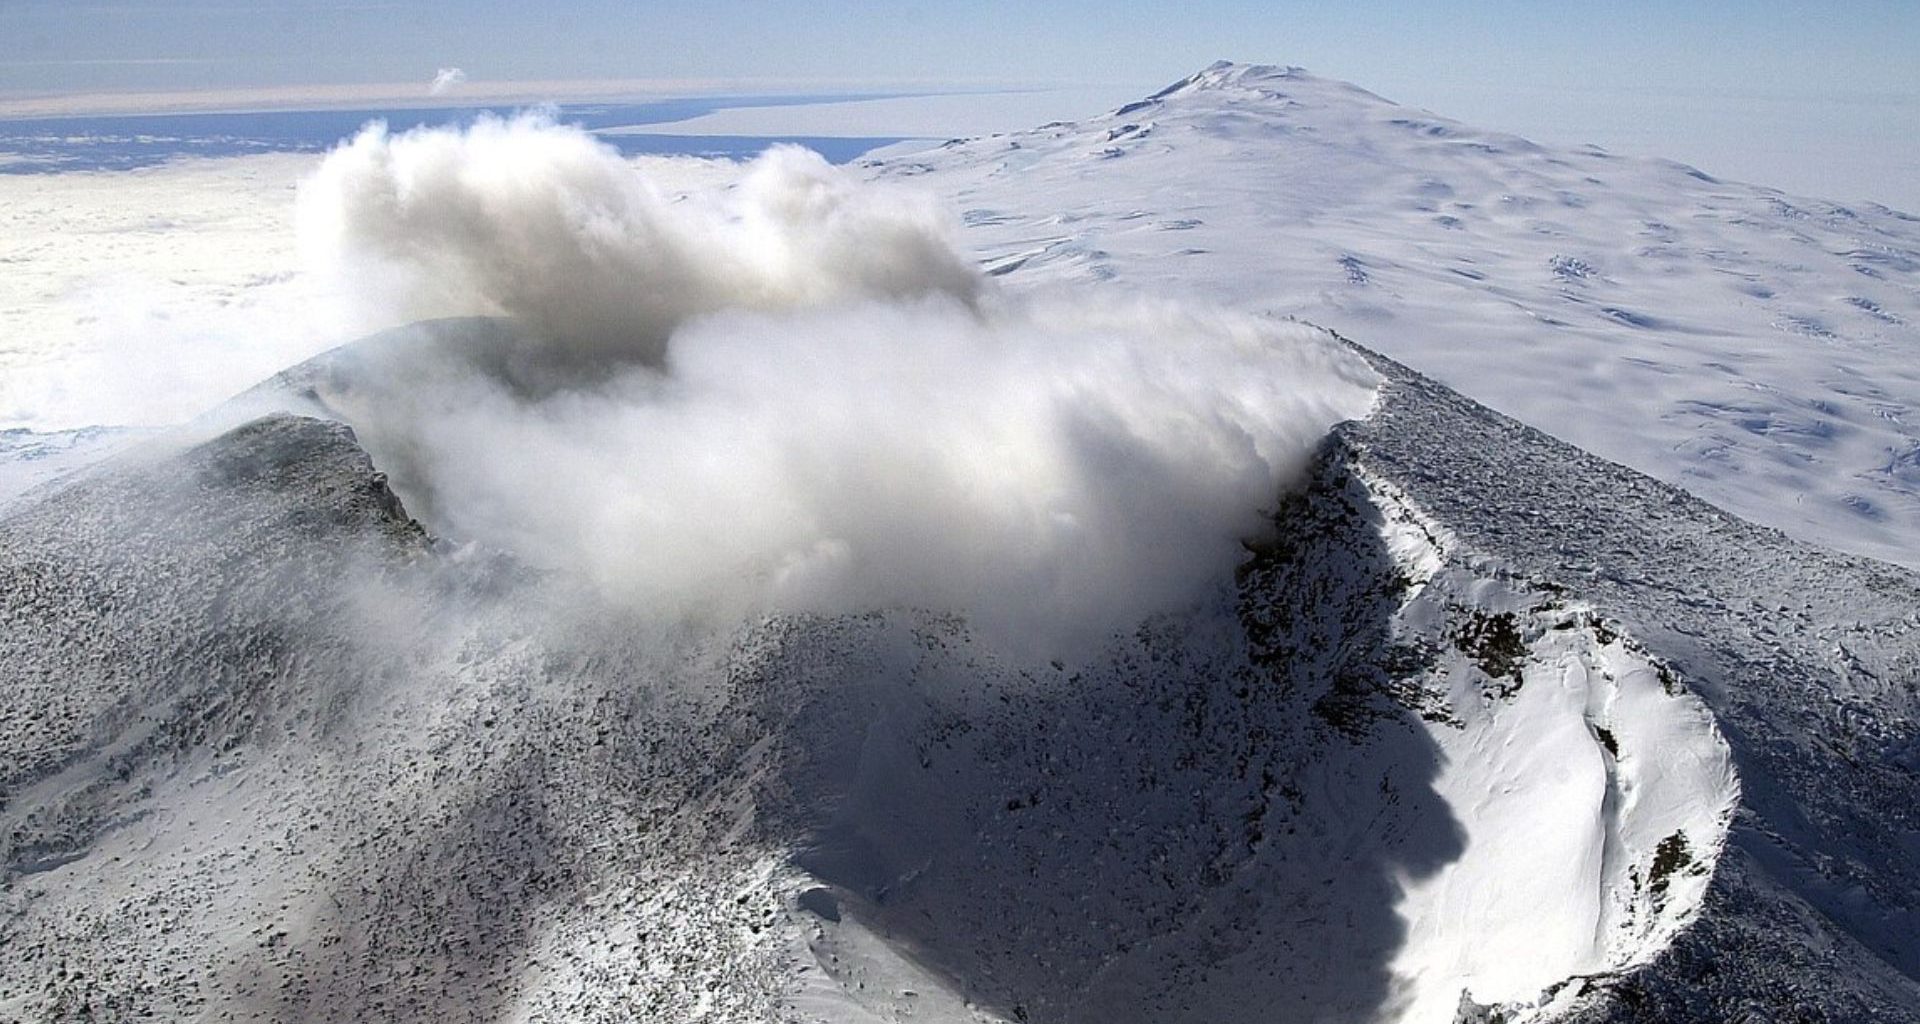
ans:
(1484, 722)
(1754, 348)
(1808, 661)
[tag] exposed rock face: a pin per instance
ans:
(169, 579)
(271, 753)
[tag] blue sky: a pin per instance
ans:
(1712, 82)
(1843, 45)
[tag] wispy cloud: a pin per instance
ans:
(445, 79)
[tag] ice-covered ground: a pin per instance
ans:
(1755, 348)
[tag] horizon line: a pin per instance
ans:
(419, 95)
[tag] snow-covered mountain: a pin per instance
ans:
(1486, 721)
(1754, 348)
(1483, 727)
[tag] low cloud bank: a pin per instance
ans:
(797, 394)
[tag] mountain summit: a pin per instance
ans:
(1223, 74)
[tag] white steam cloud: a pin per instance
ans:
(797, 394)
(444, 80)
(547, 225)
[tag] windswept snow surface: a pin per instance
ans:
(1754, 348)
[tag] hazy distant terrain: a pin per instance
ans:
(42, 145)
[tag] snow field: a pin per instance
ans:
(1751, 347)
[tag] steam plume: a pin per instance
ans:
(797, 394)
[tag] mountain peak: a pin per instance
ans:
(1225, 74)
(1229, 82)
